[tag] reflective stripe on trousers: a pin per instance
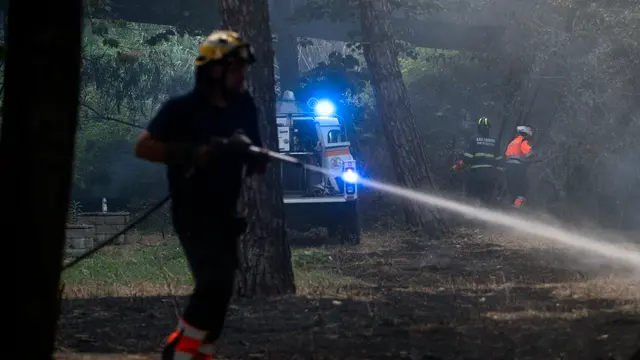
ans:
(189, 341)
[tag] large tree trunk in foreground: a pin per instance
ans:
(265, 254)
(38, 134)
(407, 154)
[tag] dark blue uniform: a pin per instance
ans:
(482, 157)
(204, 202)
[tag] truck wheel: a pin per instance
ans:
(350, 229)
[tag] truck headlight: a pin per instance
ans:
(350, 176)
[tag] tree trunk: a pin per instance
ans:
(38, 134)
(265, 254)
(398, 122)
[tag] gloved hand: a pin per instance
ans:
(458, 166)
(236, 144)
(239, 144)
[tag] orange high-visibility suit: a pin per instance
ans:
(516, 155)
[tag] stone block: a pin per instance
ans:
(77, 243)
(75, 233)
(75, 252)
(91, 220)
(79, 236)
(100, 238)
(79, 228)
(106, 229)
(115, 220)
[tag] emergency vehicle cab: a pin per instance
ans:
(314, 134)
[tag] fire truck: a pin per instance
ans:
(313, 133)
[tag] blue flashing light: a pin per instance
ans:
(325, 108)
(350, 176)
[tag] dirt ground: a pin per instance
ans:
(478, 295)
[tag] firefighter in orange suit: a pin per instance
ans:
(518, 156)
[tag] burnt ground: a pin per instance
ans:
(475, 296)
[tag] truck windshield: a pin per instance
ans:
(335, 136)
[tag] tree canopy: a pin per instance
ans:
(568, 68)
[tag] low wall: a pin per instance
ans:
(91, 229)
(80, 238)
(106, 225)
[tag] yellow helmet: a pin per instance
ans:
(484, 121)
(221, 45)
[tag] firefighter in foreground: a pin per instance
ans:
(518, 156)
(481, 157)
(203, 137)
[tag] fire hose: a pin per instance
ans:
(161, 203)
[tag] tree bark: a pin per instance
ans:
(38, 136)
(265, 254)
(405, 148)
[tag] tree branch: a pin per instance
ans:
(109, 118)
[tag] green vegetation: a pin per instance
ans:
(128, 70)
(124, 265)
(424, 63)
(161, 269)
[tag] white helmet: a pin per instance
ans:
(522, 129)
(288, 96)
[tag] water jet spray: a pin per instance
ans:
(530, 226)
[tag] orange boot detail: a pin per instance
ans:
(184, 343)
(519, 202)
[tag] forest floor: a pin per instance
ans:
(477, 295)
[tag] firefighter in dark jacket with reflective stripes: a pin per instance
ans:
(481, 158)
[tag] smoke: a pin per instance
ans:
(126, 173)
(123, 180)
(595, 247)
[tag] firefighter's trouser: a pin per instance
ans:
(481, 183)
(516, 178)
(211, 252)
